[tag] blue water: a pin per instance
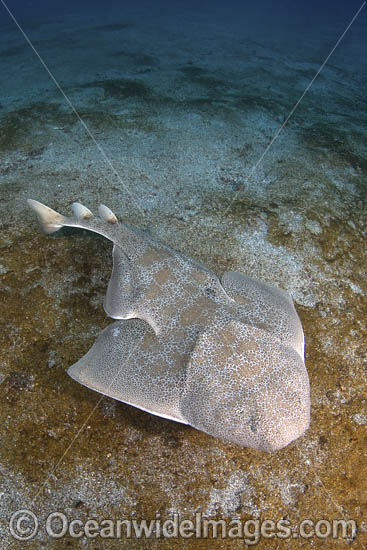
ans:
(261, 18)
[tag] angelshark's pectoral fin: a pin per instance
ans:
(266, 307)
(125, 363)
(123, 298)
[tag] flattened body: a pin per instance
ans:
(225, 356)
(128, 363)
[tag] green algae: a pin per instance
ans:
(224, 94)
(201, 76)
(23, 129)
(138, 59)
(124, 88)
(104, 120)
(28, 129)
(252, 102)
(120, 88)
(333, 138)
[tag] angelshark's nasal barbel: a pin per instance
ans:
(223, 355)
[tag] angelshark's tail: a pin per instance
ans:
(50, 220)
(106, 224)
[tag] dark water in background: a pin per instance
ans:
(279, 18)
(230, 10)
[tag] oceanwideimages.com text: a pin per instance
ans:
(24, 525)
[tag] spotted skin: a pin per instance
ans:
(223, 355)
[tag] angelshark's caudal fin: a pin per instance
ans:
(50, 220)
